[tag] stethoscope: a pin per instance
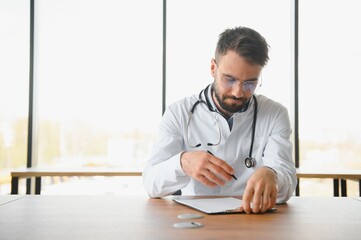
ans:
(249, 161)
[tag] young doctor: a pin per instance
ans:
(226, 140)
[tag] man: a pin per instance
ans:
(226, 140)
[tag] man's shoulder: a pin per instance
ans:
(179, 110)
(268, 102)
(184, 103)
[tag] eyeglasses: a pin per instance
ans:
(229, 82)
(247, 86)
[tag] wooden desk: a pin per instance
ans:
(137, 217)
(339, 178)
(38, 173)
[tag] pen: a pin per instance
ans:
(229, 174)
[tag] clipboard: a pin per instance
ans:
(212, 206)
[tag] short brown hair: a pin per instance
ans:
(247, 42)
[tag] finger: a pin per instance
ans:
(266, 199)
(273, 198)
(221, 164)
(257, 201)
(246, 200)
(206, 182)
(269, 198)
(212, 177)
(219, 171)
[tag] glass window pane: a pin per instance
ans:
(99, 75)
(192, 33)
(329, 51)
(14, 85)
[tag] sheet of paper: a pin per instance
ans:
(212, 205)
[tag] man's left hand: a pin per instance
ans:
(261, 191)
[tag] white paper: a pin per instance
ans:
(212, 205)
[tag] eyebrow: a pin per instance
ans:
(248, 80)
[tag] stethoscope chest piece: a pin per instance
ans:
(250, 162)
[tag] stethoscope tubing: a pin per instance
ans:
(249, 161)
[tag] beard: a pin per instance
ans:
(242, 102)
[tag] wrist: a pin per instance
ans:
(274, 171)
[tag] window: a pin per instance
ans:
(14, 87)
(98, 79)
(329, 50)
(98, 73)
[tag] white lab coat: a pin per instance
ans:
(163, 174)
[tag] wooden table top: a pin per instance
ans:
(336, 173)
(114, 171)
(81, 171)
(138, 217)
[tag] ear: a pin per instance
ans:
(213, 68)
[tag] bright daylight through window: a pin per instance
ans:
(98, 81)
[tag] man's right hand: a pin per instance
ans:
(206, 168)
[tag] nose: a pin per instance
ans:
(237, 90)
